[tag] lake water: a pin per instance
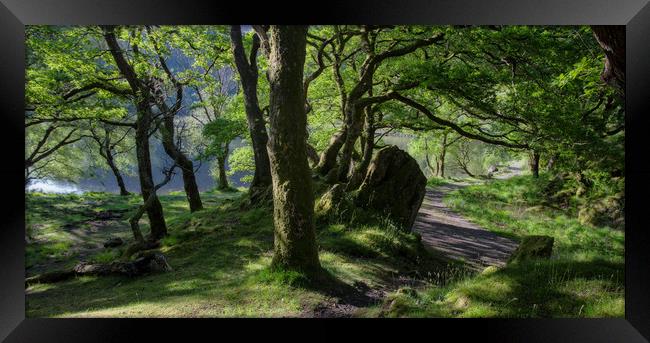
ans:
(105, 181)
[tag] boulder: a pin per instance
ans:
(394, 186)
(329, 202)
(533, 247)
(491, 170)
(113, 242)
(332, 176)
(607, 211)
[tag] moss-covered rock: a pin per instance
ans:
(329, 203)
(533, 247)
(408, 291)
(608, 211)
(394, 186)
(332, 176)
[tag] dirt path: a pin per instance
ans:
(456, 237)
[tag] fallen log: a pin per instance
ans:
(145, 262)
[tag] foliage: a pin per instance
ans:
(242, 161)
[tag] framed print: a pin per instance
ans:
(467, 167)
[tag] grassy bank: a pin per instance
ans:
(584, 278)
(220, 258)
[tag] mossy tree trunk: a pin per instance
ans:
(368, 145)
(328, 158)
(247, 69)
(293, 199)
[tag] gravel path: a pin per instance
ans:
(456, 237)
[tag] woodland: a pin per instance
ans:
(354, 171)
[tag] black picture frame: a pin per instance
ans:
(634, 14)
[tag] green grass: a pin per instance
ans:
(584, 277)
(436, 181)
(221, 266)
(221, 263)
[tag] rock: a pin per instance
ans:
(113, 242)
(332, 176)
(408, 291)
(329, 202)
(394, 185)
(491, 170)
(607, 211)
(533, 247)
(461, 303)
(489, 270)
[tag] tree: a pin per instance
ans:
(293, 199)
(612, 39)
(143, 98)
(108, 146)
(248, 73)
(221, 131)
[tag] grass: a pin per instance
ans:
(584, 277)
(436, 181)
(221, 265)
(221, 262)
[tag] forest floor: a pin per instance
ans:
(220, 258)
(221, 255)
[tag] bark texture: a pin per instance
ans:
(612, 39)
(293, 199)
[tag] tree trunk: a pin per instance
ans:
(354, 123)
(368, 147)
(312, 155)
(247, 69)
(221, 163)
(612, 39)
(293, 200)
(329, 155)
(465, 169)
(551, 162)
(534, 163)
(443, 154)
(154, 210)
(143, 125)
(186, 165)
(116, 172)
